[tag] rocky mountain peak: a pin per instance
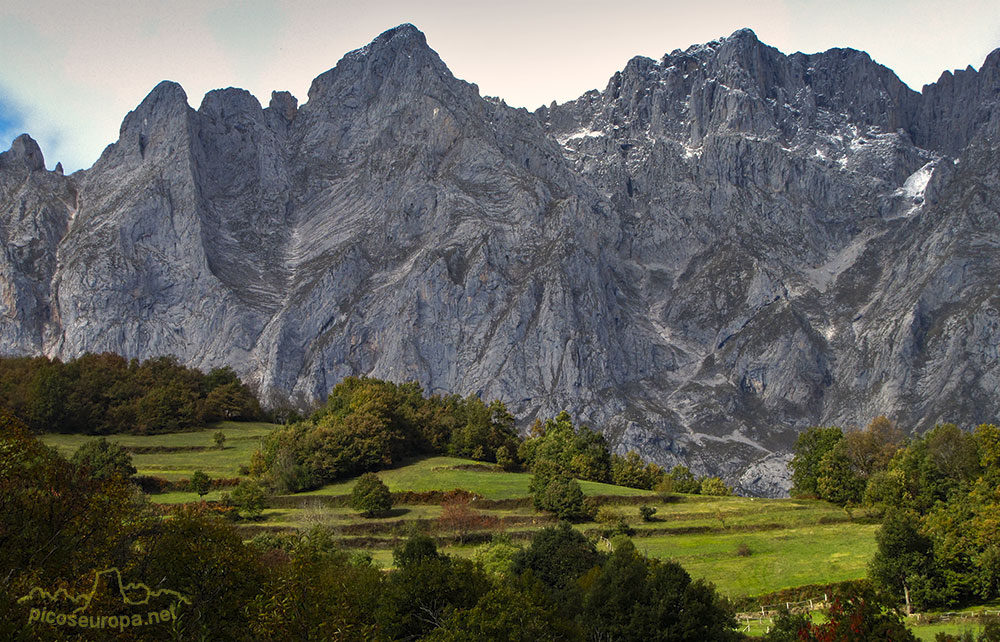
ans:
(230, 105)
(745, 34)
(397, 57)
(154, 129)
(404, 35)
(719, 249)
(166, 99)
(992, 64)
(284, 104)
(24, 152)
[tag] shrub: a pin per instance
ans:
(497, 555)
(618, 528)
(200, 483)
(715, 486)
(370, 495)
(743, 550)
(665, 488)
(248, 498)
(614, 523)
(647, 512)
(220, 439)
(104, 459)
(457, 516)
(607, 515)
(564, 497)
(417, 548)
(151, 485)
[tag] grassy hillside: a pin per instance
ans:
(447, 473)
(242, 439)
(790, 542)
(744, 546)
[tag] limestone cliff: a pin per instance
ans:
(721, 248)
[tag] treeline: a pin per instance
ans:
(368, 424)
(105, 393)
(558, 453)
(558, 449)
(58, 525)
(938, 495)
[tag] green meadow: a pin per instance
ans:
(449, 473)
(745, 546)
(242, 438)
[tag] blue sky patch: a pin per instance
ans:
(11, 123)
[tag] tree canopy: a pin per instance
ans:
(105, 393)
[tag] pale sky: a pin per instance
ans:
(71, 70)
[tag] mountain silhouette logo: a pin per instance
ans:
(106, 582)
(130, 593)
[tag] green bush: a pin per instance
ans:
(248, 498)
(370, 496)
(200, 483)
(104, 459)
(564, 497)
(715, 486)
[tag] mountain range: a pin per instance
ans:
(722, 247)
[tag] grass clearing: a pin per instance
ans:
(779, 559)
(449, 473)
(791, 542)
(242, 438)
(927, 632)
(181, 497)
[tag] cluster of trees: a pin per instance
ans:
(838, 467)
(103, 459)
(681, 480)
(59, 525)
(939, 544)
(938, 495)
(105, 393)
(558, 453)
(557, 588)
(576, 451)
(368, 424)
(864, 613)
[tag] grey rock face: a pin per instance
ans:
(721, 248)
(35, 210)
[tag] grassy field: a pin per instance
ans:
(954, 623)
(448, 473)
(746, 547)
(927, 632)
(791, 556)
(790, 542)
(242, 438)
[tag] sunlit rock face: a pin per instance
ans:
(723, 247)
